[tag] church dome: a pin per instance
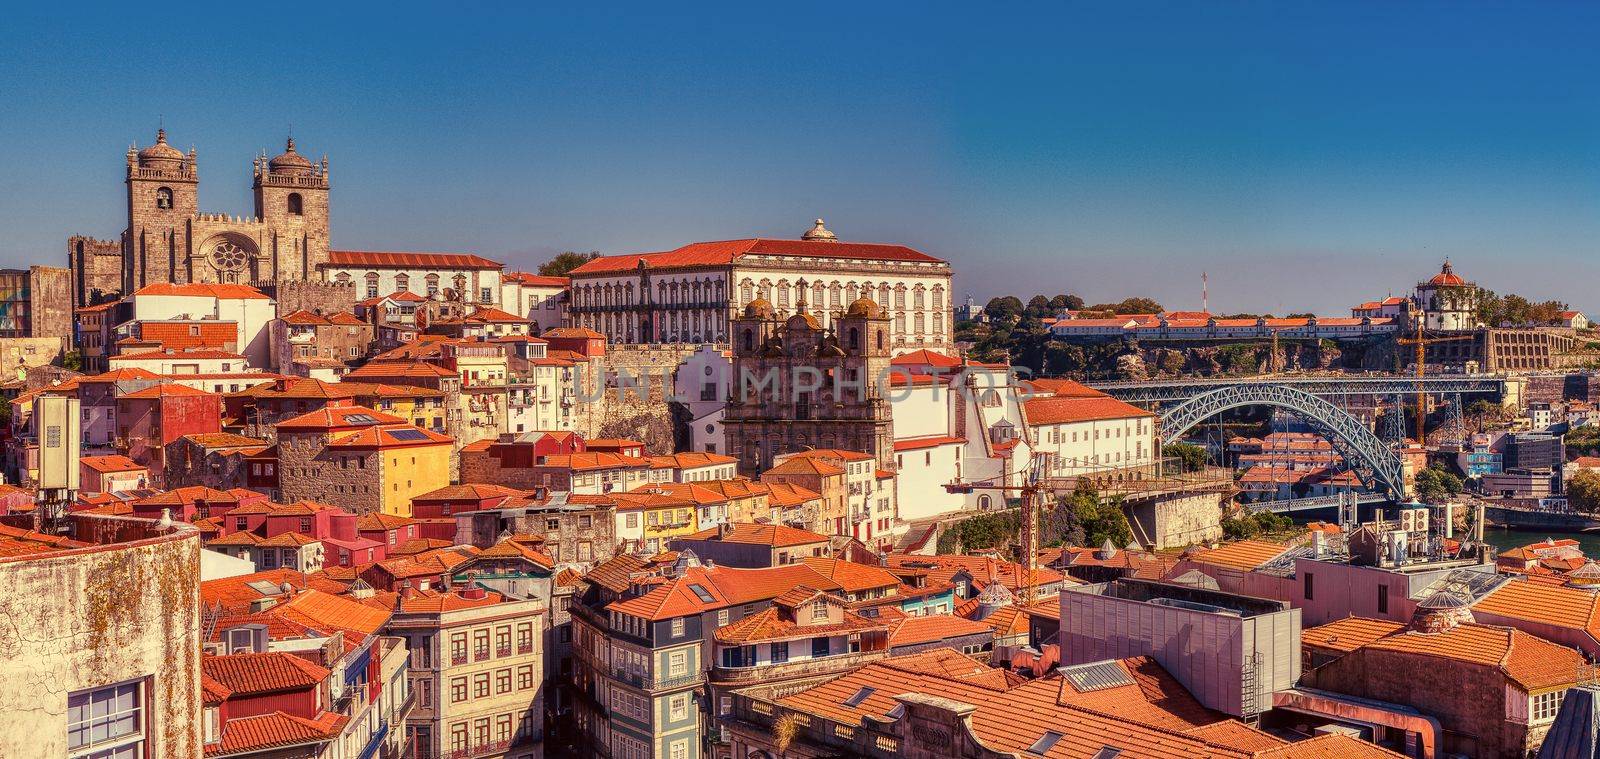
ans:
(1441, 611)
(804, 320)
(819, 233)
(160, 155)
(290, 162)
(759, 308)
(1447, 277)
(864, 308)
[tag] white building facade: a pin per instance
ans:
(473, 278)
(687, 295)
(245, 306)
(539, 299)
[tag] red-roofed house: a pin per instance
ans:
(111, 474)
(149, 420)
(248, 308)
(360, 459)
(539, 299)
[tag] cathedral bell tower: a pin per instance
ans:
(163, 190)
(291, 193)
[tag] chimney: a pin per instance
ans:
(724, 529)
(1319, 542)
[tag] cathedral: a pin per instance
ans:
(169, 239)
(774, 410)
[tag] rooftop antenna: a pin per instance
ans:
(1205, 293)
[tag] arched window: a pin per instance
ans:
(163, 197)
(433, 285)
(402, 282)
(372, 284)
(883, 340)
(855, 338)
(983, 503)
(296, 205)
(342, 278)
(745, 290)
(749, 341)
(917, 297)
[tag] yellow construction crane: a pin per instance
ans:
(1421, 340)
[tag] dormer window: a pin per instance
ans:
(819, 609)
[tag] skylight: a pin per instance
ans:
(860, 695)
(701, 593)
(1107, 752)
(362, 418)
(1045, 742)
(408, 434)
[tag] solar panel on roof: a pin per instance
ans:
(1045, 742)
(408, 434)
(1096, 676)
(860, 695)
(360, 418)
(701, 593)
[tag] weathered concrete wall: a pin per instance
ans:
(98, 616)
(310, 295)
(20, 354)
(1176, 521)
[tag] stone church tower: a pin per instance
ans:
(168, 238)
(778, 363)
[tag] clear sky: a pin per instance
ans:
(1307, 155)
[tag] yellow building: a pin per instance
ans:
(410, 462)
(650, 518)
(360, 459)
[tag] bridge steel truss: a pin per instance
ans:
(1375, 463)
(1168, 391)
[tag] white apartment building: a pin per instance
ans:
(539, 299)
(245, 306)
(473, 278)
(686, 295)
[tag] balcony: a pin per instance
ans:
(482, 749)
(525, 648)
(787, 670)
(458, 658)
(502, 652)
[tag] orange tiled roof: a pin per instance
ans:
(530, 279)
(331, 613)
(675, 598)
(265, 731)
(339, 417)
(770, 624)
(774, 535)
(850, 576)
(1350, 633)
(1243, 554)
(910, 631)
(1068, 409)
(222, 291)
(1542, 603)
(110, 463)
(270, 672)
(804, 465)
(15, 541)
(723, 253)
(384, 436)
(1531, 662)
(393, 259)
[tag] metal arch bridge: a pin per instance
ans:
(1168, 391)
(1375, 463)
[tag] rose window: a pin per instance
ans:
(228, 257)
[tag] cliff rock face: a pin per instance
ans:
(1154, 362)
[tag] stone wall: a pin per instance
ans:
(308, 472)
(96, 269)
(311, 295)
(100, 616)
(1177, 520)
(640, 413)
(18, 355)
(50, 302)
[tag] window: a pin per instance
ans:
(502, 681)
(524, 677)
(485, 295)
(677, 627)
(678, 707)
(722, 617)
(480, 685)
(480, 645)
(107, 722)
(1383, 599)
(458, 648)
(819, 609)
(1309, 578)
(780, 652)
(677, 663)
(679, 750)
(633, 521)
(458, 689)
(213, 726)
(1546, 705)
(524, 638)
(163, 198)
(296, 204)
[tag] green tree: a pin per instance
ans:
(1005, 308)
(1583, 491)
(1066, 302)
(1190, 456)
(1435, 485)
(564, 263)
(72, 361)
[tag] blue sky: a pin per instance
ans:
(1306, 155)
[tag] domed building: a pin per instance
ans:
(1448, 302)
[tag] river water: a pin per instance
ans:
(1503, 539)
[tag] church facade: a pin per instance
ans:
(168, 238)
(800, 384)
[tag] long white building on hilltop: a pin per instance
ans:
(687, 295)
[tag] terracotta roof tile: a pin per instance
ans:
(909, 631)
(410, 260)
(774, 535)
(1531, 662)
(726, 252)
(255, 674)
(1349, 634)
(1243, 554)
(242, 735)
